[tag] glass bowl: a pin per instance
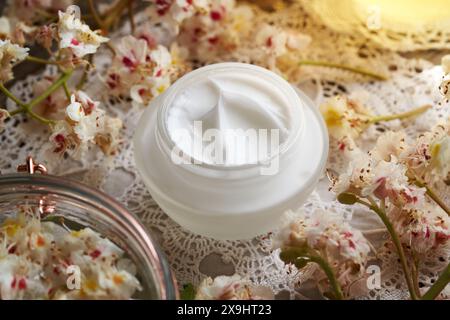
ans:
(82, 206)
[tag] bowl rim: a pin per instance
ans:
(167, 284)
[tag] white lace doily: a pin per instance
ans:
(412, 83)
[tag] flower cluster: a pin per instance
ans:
(231, 288)
(428, 158)
(345, 118)
(328, 236)
(82, 123)
(10, 55)
(75, 35)
(424, 227)
(370, 175)
(173, 12)
(140, 69)
(35, 257)
(15, 30)
(388, 173)
(222, 30)
(85, 124)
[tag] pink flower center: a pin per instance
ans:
(216, 15)
(22, 284)
(59, 140)
(88, 107)
(163, 6)
(95, 254)
(113, 80)
(128, 62)
(213, 40)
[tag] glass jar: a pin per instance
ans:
(240, 201)
(82, 206)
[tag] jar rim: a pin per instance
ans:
(167, 286)
(167, 143)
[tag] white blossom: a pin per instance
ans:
(140, 71)
(327, 235)
(344, 117)
(272, 39)
(428, 157)
(74, 110)
(35, 255)
(173, 12)
(390, 144)
(424, 227)
(76, 35)
(86, 125)
(10, 55)
(358, 175)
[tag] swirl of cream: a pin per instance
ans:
(236, 120)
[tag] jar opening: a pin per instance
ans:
(229, 116)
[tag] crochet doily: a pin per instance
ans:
(412, 82)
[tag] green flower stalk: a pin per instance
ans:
(328, 240)
(300, 257)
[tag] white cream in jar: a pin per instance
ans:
(228, 148)
(229, 102)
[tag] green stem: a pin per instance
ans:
(66, 90)
(11, 96)
(330, 274)
(438, 200)
(400, 116)
(24, 107)
(415, 274)
(51, 89)
(398, 246)
(17, 111)
(39, 118)
(291, 254)
(40, 60)
(343, 67)
(439, 285)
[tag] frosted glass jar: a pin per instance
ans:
(231, 200)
